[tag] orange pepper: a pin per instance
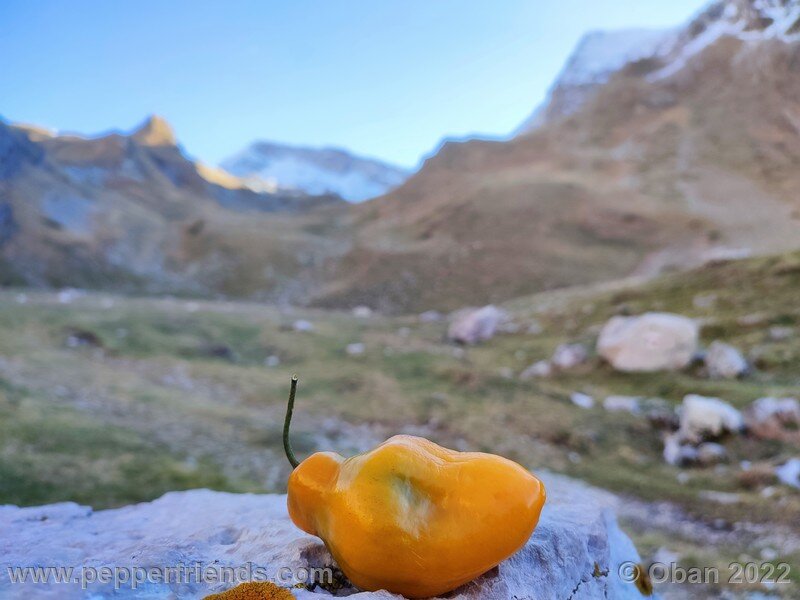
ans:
(410, 516)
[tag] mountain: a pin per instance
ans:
(314, 171)
(132, 210)
(688, 155)
(599, 54)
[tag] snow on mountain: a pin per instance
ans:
(596, 57)
(747, 20)
(314, 171)
(600, 54)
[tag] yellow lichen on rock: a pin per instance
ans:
(254, 590)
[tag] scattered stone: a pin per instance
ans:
(431, 316)
(67, 295)
(755, 477)
(704, 300)
(21, 298)
(751, 320)
(723, 361)
(472, 326)
(303, 325)
(707, 418)
(677, 453)
(404, 332)
(506, 372)
(362, 312)
(534, 328)
(649, 342)
(774, 419)
(577, 544)
(719, 498)
(272, 361)
(778, 333)
(711, 453)
(568, 356)
(789, 472)
(582, 400)
(665, 556)
(769, 554)
(355, 348)
(622, 404)
(542, 368)
(659, 413)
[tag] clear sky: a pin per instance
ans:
(386, 78)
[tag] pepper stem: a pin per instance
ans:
(287, 445)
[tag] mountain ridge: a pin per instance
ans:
(648, 174)
(315, 170)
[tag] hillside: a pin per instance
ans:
(134, 212)
(685, 156)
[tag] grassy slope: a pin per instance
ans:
(176, 395)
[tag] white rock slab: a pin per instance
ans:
(575, 552)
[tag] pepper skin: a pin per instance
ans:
(412, 517)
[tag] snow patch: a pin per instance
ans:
(314, 171)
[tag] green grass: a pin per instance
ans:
(153, 404)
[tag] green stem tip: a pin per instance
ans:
(287, 445)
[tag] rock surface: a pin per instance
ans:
(472, 326)
(575, 552)
(649, 342)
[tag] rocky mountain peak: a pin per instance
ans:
(155, 131)
(600, 54)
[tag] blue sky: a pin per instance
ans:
(386, 78)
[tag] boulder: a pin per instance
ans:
(707, 418)
(723, 361)
(649, 342)
(575, 552)
(774, 419)
(472, 326)
(542, 368)
(568, 356)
